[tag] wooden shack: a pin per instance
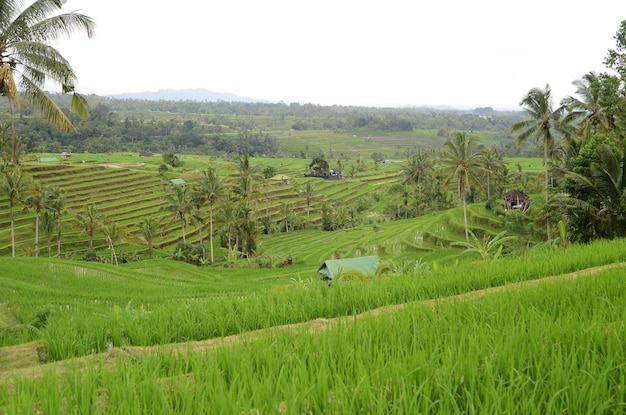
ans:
(514, 199)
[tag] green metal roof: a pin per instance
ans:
(177, 181)
(363, 266)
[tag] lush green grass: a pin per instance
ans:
(79, 307)
(552, 348)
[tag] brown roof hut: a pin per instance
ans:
(515, 199)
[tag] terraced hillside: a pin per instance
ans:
(122, 195)
(126, 195)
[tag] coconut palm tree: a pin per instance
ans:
(149, 229)
(113, 234)
(47, 227)
(587, 109)
(309, 194)
(209, 189)
(28, 62)
(90, 221)
(243, 188)
(268, 173)
(542, 123)
(462, 165)
(54, 200)
(420, 168)
(179, 203)
(35, 202)
(15, 185)
(493, 163)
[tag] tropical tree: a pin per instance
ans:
(228, 219)
(595, 192)
(486, 247)
(309, 194)
(15, 185)
(285, 210)
(90, 221)
(461, 164)
(35, 202)
(542, 124)
(319, 165)
(28, 61)
(54, 200)
(209, 188)
(180, 204)
(268, 173)
(587, 108)
(48, 227)
(493, 163)
(113, 234)
(149, 229)
(419, 169)
(243, 188)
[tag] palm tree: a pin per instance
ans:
(209, 189)
(309, 195)
(420, 168)
(596, 196)
(542, 124)
(247, 173)
(228, 216)
(47, 226)
(28, 61)
(493, 164)
(35, 202)
(285, 210)
(113, 234)
(486, 247)
(588, 109)
(268, 173)
(461, 163)
(180, 204)
(90, 221)
(149, 229)
(54, 200)
(15, 185)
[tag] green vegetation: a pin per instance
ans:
(535, 339)
(137, 314)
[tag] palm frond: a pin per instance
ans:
(44, 104)
(63, 25)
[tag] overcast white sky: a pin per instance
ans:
(345, 52)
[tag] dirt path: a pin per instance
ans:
(29, 351)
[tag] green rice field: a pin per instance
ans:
(539, 333)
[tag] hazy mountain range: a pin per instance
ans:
(198, 94)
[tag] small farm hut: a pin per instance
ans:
(515, 199)
(361, 267)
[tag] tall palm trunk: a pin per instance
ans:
(547, 183)
(182, 221)
(37, 234)
(12, 229)
(59, 236)
(211, 232)
(462, 197)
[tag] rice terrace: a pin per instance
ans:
(218, 257)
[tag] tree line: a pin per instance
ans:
(218, 129)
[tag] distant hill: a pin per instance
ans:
(198, 94)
